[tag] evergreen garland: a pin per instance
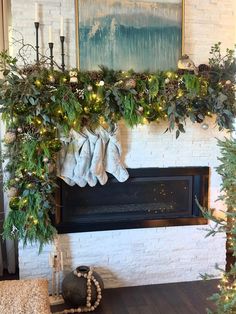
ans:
(225, 298)
(38, 103)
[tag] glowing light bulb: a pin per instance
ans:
(169, 74)
(145, 121)
(38, 83)
(101, 120)
(86, 110)
(51, 78)
(180, 93)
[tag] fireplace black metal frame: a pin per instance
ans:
(200, 187)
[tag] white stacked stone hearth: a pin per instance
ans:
(152, 255)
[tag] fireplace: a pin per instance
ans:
(151, 197)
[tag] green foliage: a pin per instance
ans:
(225, 298)
(38, 103)
(222, 66)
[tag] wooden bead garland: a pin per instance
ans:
(90, 279)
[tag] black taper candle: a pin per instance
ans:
(62, 38)
(51, 54)
(36, 24)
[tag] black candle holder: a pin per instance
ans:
(62, 38)
(36, 24)
(51, 54)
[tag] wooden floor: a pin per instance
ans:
(177, 298)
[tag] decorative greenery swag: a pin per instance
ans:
(38, 103)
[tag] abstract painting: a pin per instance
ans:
(129, 34)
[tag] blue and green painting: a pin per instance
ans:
(130, 34)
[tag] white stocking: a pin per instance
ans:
(62, 154)
(68, 164)
(113, 158)
(90, 177)
(97, 165)
(82, 156)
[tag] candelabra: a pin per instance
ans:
(51, 54)
(62, 38)
(36, 24)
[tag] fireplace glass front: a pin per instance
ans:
(150, 197)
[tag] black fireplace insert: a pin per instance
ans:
(151, 197)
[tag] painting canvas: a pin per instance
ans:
(129, 34)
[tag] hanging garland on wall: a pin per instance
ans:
(38, 103)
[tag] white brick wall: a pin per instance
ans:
(155, 255)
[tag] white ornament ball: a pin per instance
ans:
(101, 83)
(45, 159)
(12, 192)
(89, 88)
(19, 130)
(167, 80)
(205, 126)
(9, 137)
(228, 82)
